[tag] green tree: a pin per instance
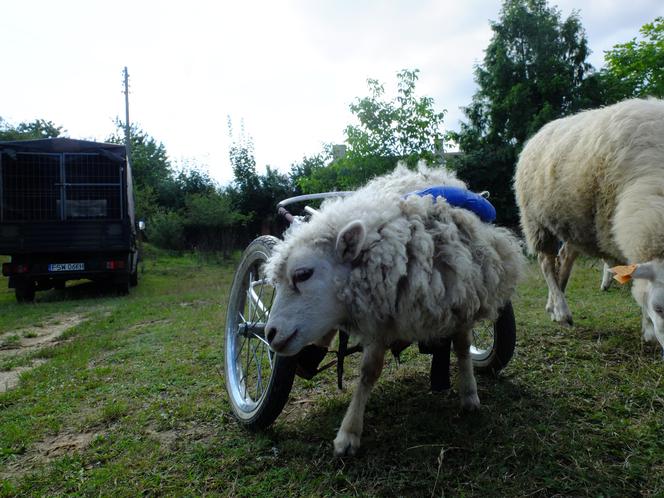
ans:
(302, 173)
(39, 128)
(406, 127)
(246, 182)
(151, 168)
(150, 164)
(534, 71)
(636, 68)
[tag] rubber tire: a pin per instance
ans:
(25, 291)
(133, 278)
(281, 379)
(504, 342)
(122, 288)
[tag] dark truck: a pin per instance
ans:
(66, 213)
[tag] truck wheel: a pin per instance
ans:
(25, 291)
(122, 288)
(133, 278)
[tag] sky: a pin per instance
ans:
(286, 70)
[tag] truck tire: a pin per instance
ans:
(25, 291)
(133, 278)
(122, 288)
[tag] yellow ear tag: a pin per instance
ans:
(623, 273)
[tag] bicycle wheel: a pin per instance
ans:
(257, 380)
(493, 342)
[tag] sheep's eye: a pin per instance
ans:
(659, 310)
(302, 275)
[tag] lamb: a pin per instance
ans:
(596, 181)
(385, 268)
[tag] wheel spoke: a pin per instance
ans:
(250, 301)
(259, 374)
(260, 338)
(246, 371)
(259, 304)
(239, 351)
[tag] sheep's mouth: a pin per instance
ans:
(282, 344)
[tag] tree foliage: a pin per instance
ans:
(636, 68)
(184, 208)
(534, 70)
(151, 168)
(406, 127)
(253, 194)
(33, 130)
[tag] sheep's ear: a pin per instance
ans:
(624, 274)
(645, 271)
(350, 241)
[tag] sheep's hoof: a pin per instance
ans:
(346, 444)
(470, 402)
(649, 335)
(564, 319)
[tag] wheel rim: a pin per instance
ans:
(483, 340)
(249, 360)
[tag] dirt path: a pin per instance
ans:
(27, 340)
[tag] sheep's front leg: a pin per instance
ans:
(647, 327)
(347, 441)
(556, 304)
(466, 383)
(607, 274)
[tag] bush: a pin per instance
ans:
(166, 230)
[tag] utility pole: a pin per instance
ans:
(127, 128)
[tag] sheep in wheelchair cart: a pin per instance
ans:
(388, 268)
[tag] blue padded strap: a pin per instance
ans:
(460, 197)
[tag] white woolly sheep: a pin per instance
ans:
(596, 181)
(387, 268)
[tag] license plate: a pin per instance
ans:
(66, 267)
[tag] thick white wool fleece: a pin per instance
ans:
(425, 270)
(596, 180)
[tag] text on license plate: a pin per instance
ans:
(66, 266)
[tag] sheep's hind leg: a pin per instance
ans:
(566, 257)
(347, 441)
(556, 303)
(466, 383)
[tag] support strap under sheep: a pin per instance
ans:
(440, 363)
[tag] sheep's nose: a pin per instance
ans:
(271, 332)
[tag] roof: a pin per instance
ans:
(59, 145)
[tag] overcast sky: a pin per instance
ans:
(287, 69)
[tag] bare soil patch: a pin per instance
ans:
(27, 340)
(11, 378)
(31, 338)
(172, 437)
(52, 447)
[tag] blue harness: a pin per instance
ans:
(460, 197)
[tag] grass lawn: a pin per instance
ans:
(126, 397)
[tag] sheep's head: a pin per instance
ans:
(648, 291)
(307, 304)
